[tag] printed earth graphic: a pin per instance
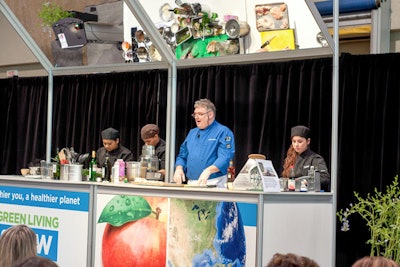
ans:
(205, 233)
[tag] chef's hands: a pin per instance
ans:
(179, 175)
(204, 177)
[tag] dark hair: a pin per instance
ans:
(36, 261)
(149, 131)
(291, 260)
(377, 261)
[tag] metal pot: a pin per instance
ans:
(236, 29)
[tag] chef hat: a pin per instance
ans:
(110, 133)
(149, 131)
(300, 130)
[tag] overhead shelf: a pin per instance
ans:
(309, 49)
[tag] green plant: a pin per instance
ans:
(381, 212)
(50, 13)
(85, 172)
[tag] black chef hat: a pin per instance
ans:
(300, 130)
(110, 133)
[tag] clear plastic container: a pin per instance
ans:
(132, 170)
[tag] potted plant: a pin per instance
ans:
(50, 13)
(381, 212)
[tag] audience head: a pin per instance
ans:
(36, 261)
(377, 261)
(291, 260)
(17, 243)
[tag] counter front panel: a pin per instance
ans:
(98, 224)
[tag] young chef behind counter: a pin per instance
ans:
(301, 157)
(150, 136)
(112, 148)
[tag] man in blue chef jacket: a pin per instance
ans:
(204, 156)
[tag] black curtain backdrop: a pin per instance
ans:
(369, 139)
(85, 105)
(23, 122)
(259, 102)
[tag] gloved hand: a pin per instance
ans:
(179, 176)
(204, 177)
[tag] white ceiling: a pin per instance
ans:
(13, 49)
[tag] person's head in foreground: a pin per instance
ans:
(17, 243)
(291, 260)
(36, 261)
(377, 261)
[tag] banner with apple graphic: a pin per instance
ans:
(159, 231)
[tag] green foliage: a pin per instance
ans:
(85, 172)
(381, 212)
(51, 13)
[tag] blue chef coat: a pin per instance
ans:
(214, 145)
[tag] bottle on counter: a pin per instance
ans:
(311, 178)
(292, 180)
(93, 167)
(230, 175)
(317, 181)
(121, 169)
(115, 172)
(106, 170)
(304, 185)
(56, 171)
(56, 166)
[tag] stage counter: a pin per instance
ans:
(99, 224)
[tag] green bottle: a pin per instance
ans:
(106, 170)
(56, 171)
(93, 167)
(56, 166)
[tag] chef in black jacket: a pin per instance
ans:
(302, 157)
(112, 148)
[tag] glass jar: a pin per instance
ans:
(149, 160)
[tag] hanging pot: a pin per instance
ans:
(236, 28)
